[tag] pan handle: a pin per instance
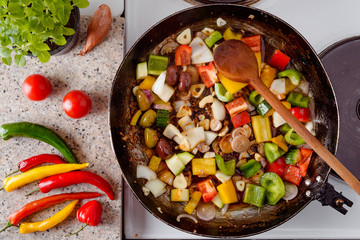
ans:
(328, 196)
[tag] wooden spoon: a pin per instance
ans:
(236, 61)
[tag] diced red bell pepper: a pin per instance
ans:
(207, 189)
(279, 60)
(305, 160)
(183, 55)
(240, 119)
(236, 106)
(254, 42)
(302, 114)
(208, 75)
(278, 167)
(292, 174)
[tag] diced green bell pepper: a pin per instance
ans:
(275, 188)
(292, 74)
(157, 64)
(272, 152)
(254, 195)
(213, 38)
(222, 94)
(250, 168)
(293, 138)
(293, 156)
(255, 98)
(263, 108)
(227, 168)
(162, 118)
(285, 128)
(298, 100)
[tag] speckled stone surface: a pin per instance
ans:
(88, 137)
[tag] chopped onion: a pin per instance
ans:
(148, 95)
(194, 136)
(209, 137)
(143, 171)
(184, 111)
(278, 86)
(209, 154)
(177, 104)
(222, 177)
(162, 106)
(135, 89)
(220, 22)
(161, 89)
(146, 191)
(224, 209)
(200, 53)
(156, 187)
(206, 212)
(186, 216)
(310, 126)
(291, 191)
(218, 110)
(186, 123)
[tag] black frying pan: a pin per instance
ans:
(276, 33)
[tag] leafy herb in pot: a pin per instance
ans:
(32, 25)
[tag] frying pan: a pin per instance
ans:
(239, 221)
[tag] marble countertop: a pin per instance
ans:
(88, 137)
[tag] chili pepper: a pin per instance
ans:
(70, 178)
(194, 201)
(293, 138)
(39, 132)
(208, 75)
(240, 119)
(302, 114)
(34, 161)
(50, 222)
(263, 108)
(292, 174)
(14, 182)
(255, 98)
(278, 167)
(213, 38)
(183, 55)
(41, 204)
(90, 214)
(222, 94)
(292, 74)
(279, 60)
(207, 189)
(227, 168)
(272, 152)
(250, 168)
(254, 42)
(298, 100)
(157, 64)
(254, 195)
(237, 106)
(305, 160)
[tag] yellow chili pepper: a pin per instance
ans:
(231, 86)
(194, 201)
(50, 222)
(227, 192)
(14, 182)
(135, 118)
(203, 166)
(261, 127)
(147, 83)
(280, 141)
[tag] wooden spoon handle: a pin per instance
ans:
(300, 129)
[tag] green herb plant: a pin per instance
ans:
(25, 25)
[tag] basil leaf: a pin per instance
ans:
(44, 56)
(68, 31)
(60, 40)
(20, 60)
(81, 3)
(5, 52)
(7, 61)
(42, 47)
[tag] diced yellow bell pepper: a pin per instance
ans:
(258, 58)
(194, 201)
(268, 74)
(203, 166)
(227, 192)
(280, 141)
(228, 34)
(147, 83)
(231, 86)
(154, 163)
(135, 118)
(261, 128)
(271, 111)
(289, 86)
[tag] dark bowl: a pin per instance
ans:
(239, 221)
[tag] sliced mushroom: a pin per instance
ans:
(178, 104)
(223, 131)
(206, 100)
(184, 37)
(197, 89)
(215, 125)
(256, 147)
(240, 185)
(225, 144)
(216, 146)
(201, 117)
(240, 143)
(184, 111)
(169, 47)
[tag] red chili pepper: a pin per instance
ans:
(70, 178)
(41, 204)
(207, 189)
(236, 106)
(278, 167)
(279, 60)
(302, 114)
(183, 55)
(254, 42)
(292, 174)
(240, 119)
(208, 75)
(34, 161)
(90, 214)
(305, 160)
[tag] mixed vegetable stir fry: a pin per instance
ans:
(213, 141)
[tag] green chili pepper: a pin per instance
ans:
(250, 168)
(275, 188)
(298, 100)
(227, 168)
(213, 38)
(293, 156)
(162, 118)
(255, 98)
(292, 74)
(254, 195)
(263, 108)
(285, 128)
(293, 138)
(157, 64)
(272, 152)
(39, 132)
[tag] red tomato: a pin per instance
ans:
(183, 55)
(36, 87)
(240, 119)
(278, 167)
(302, 114)
(77, 104)
(207, 189)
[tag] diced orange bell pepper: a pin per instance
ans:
(268, 74)
(280, 141)
(227, 192)
(194, 201)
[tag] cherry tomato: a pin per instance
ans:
(36, 87)
(77, 104)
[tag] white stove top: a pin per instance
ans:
(322, 23)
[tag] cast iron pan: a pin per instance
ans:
(239, 221)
